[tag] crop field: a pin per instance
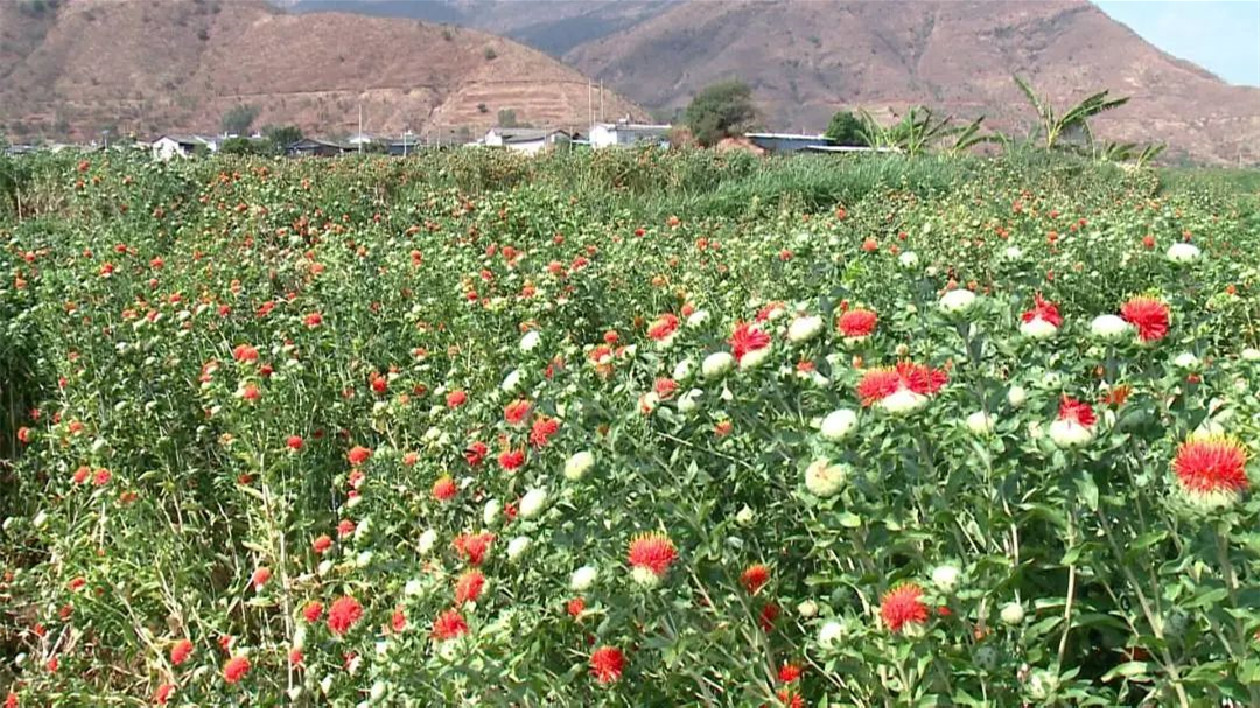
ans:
(632, 429)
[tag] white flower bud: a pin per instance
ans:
(838, 425)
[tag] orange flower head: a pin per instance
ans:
(903, 605)
(1211, 470)
(653, 551)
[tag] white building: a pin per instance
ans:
(626, 134)
(529, 141)
(169, 146)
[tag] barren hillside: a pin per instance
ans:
(807, 59)
(149, 66)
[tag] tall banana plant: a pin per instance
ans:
(1054, 125)
(919, 130)
(969, 136)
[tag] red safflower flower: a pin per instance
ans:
(345, 527)
(790, 698)
(1148, 242)
(789, 673)
(665, 388)
(1044, 310)
(245, 353)
(260, 577)
(235, 669)
(517, 411)
(769, 614)
(1117, 395)
(607, 664)
(476, 452)
(449, 625)
(321, 544)
(575, 607)
(398, 620)
(344, 613)
(754, 577)
(468, 586)
(473, 546)
(1076, 411)
(101, 477)
(358, 455)
(180, 652)
(747, 338)
(160, 697)
(878, 384)
(769, 309)
(1149, 315)
(11, 700)
(903, 605)
(653, 551)
(81, 475)
(295, 657)
(444, 489)
(455, 399)
(511, 459)
(1211, 468)
(294, 442)
(543, 429)
(664, 326)
(857, 323)
(314, 320)
(313, 611)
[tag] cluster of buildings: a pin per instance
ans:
(524, 140)
(529, 141)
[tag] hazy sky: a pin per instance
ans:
(1222, 36)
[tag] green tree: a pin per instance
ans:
(1054, 126)
(238, 119)
(720, 111)
(245, 146)
(281, 136)
(846, 129)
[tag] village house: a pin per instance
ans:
(530, 141)
(169, 146)
(781, 143)
(626, 134)
(314, 147)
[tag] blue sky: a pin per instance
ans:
(1222, 36)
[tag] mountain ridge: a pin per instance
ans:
(805, 60)
(160, 66)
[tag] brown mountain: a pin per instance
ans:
(150, 66)
(807, 58)
(554, 26)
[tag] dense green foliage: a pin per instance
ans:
(720, 111)
(194, 352)
(239, 119)
(846, 129)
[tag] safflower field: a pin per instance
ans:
(646, 429)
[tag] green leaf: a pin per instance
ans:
(849, 520)
(1129, 669)
(1088, 490)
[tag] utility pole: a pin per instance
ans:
(360, 136)
(601, 101)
